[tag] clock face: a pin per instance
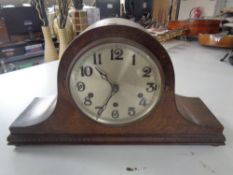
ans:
(115, 83)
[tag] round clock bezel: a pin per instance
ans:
(115, 41)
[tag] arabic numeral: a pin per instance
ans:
(87, 100)
(81, 86)
(134, 60)
(142, 102)
(117, 54)
(147, 71)
(151, 87)
(86, 71)
(97, 59)
(115, 114)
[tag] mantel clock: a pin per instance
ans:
(116, 86)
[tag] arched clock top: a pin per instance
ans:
(116, 29)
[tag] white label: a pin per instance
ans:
(144, 5)
(109, 6)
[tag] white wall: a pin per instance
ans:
(209, 7)
(229, 3)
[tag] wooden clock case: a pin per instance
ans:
(176, 119)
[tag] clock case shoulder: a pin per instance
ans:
(175, 120)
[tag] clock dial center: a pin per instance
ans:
(115, 88)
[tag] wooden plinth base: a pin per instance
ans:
(36, 126)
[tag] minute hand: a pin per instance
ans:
(104, 76)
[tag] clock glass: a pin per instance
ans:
(115, 82)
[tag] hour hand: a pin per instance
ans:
(101, 109)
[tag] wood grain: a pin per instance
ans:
(189, 122)
(213, 40)
(195, 27)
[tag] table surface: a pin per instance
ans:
(198, 73)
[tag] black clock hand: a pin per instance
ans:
(104, 76)
(102, 108)
(114, 90)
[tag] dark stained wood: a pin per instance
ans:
(194, 27)
(176, 120)
(4, 35)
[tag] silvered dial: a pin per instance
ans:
(115, 83)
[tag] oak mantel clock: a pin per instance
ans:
(116, 86)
